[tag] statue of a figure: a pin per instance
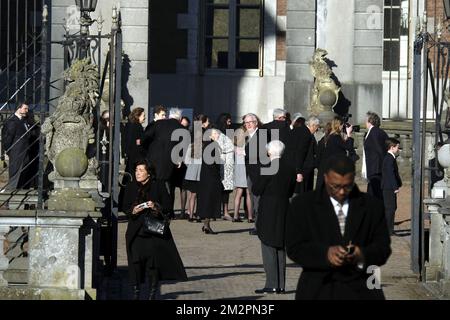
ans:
(71, 125)
(325, 93)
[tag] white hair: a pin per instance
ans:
(312, 120)
(278, 113)
(275, 148)
(175, 113)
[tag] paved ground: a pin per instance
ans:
(228, 265)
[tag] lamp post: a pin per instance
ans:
(86, 6)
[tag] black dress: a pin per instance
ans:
(149, 252)
(133, 152)
(209, 193)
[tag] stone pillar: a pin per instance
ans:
(300, 44)
(61, 254)
(3, 260)
(434, 263)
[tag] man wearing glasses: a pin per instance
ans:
(254, 152)
(337, 234)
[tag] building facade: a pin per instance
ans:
(239, 56)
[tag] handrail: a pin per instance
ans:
(18, 90)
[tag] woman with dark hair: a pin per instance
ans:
(133, 134)
(209, 193)
(224, 122)
(204, 119)
(149, 256)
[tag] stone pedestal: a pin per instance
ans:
(437, 268)
(63, 254)
(61, 251)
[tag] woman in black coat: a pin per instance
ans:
(334, 144)
(154, 257)
(133, 134)
(209, 195)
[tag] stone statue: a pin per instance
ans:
(325, 93)
(71, 125)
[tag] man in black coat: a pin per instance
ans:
(339, 237)
(310, 162)
(16, 136)
(279, 123)
(274, 187)
(159, 153)
(373, 155)
(391, 182)
(255, 156)
(297, 146)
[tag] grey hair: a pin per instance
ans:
(278, 113)
(312, 120)
(175, 113)
(275, 148)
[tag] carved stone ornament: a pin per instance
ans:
(325, 93)
(70, 126)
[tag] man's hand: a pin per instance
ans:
(336, 255)
(355, 257)
(299, 177)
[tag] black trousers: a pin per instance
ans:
(390, 206)
(374, 187)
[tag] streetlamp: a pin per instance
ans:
(86, 6)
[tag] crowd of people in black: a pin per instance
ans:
(333, 231)
(272, 166)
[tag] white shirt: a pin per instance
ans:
(250, 135)
(364, 166)
(392, 154)
(337, 206)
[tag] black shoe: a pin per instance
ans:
(267, 290)
(208, 230)
(253, 232)
(237, 220)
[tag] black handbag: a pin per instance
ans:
(154, 225)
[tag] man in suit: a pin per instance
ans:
(159, 153)
(16, 136)
(391, 182)
(297, 146)
(255, 155)
(274, 188)
(373, 154)
(279, 123)
(310, 163)
(336, 233)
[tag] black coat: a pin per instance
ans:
(375, 150)
(390, 178)
(16, 140)
(133, 152)
(312, 227)
(282, 127)
(255, 155)
(297, 147)
(160, 251)
(275, 191)
(334, 145)
(158, 138)
(209, 195)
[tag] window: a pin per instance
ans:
(395, 26)
(232, 37)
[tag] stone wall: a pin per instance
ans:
(353, 39)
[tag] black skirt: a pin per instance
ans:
(190, 185)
